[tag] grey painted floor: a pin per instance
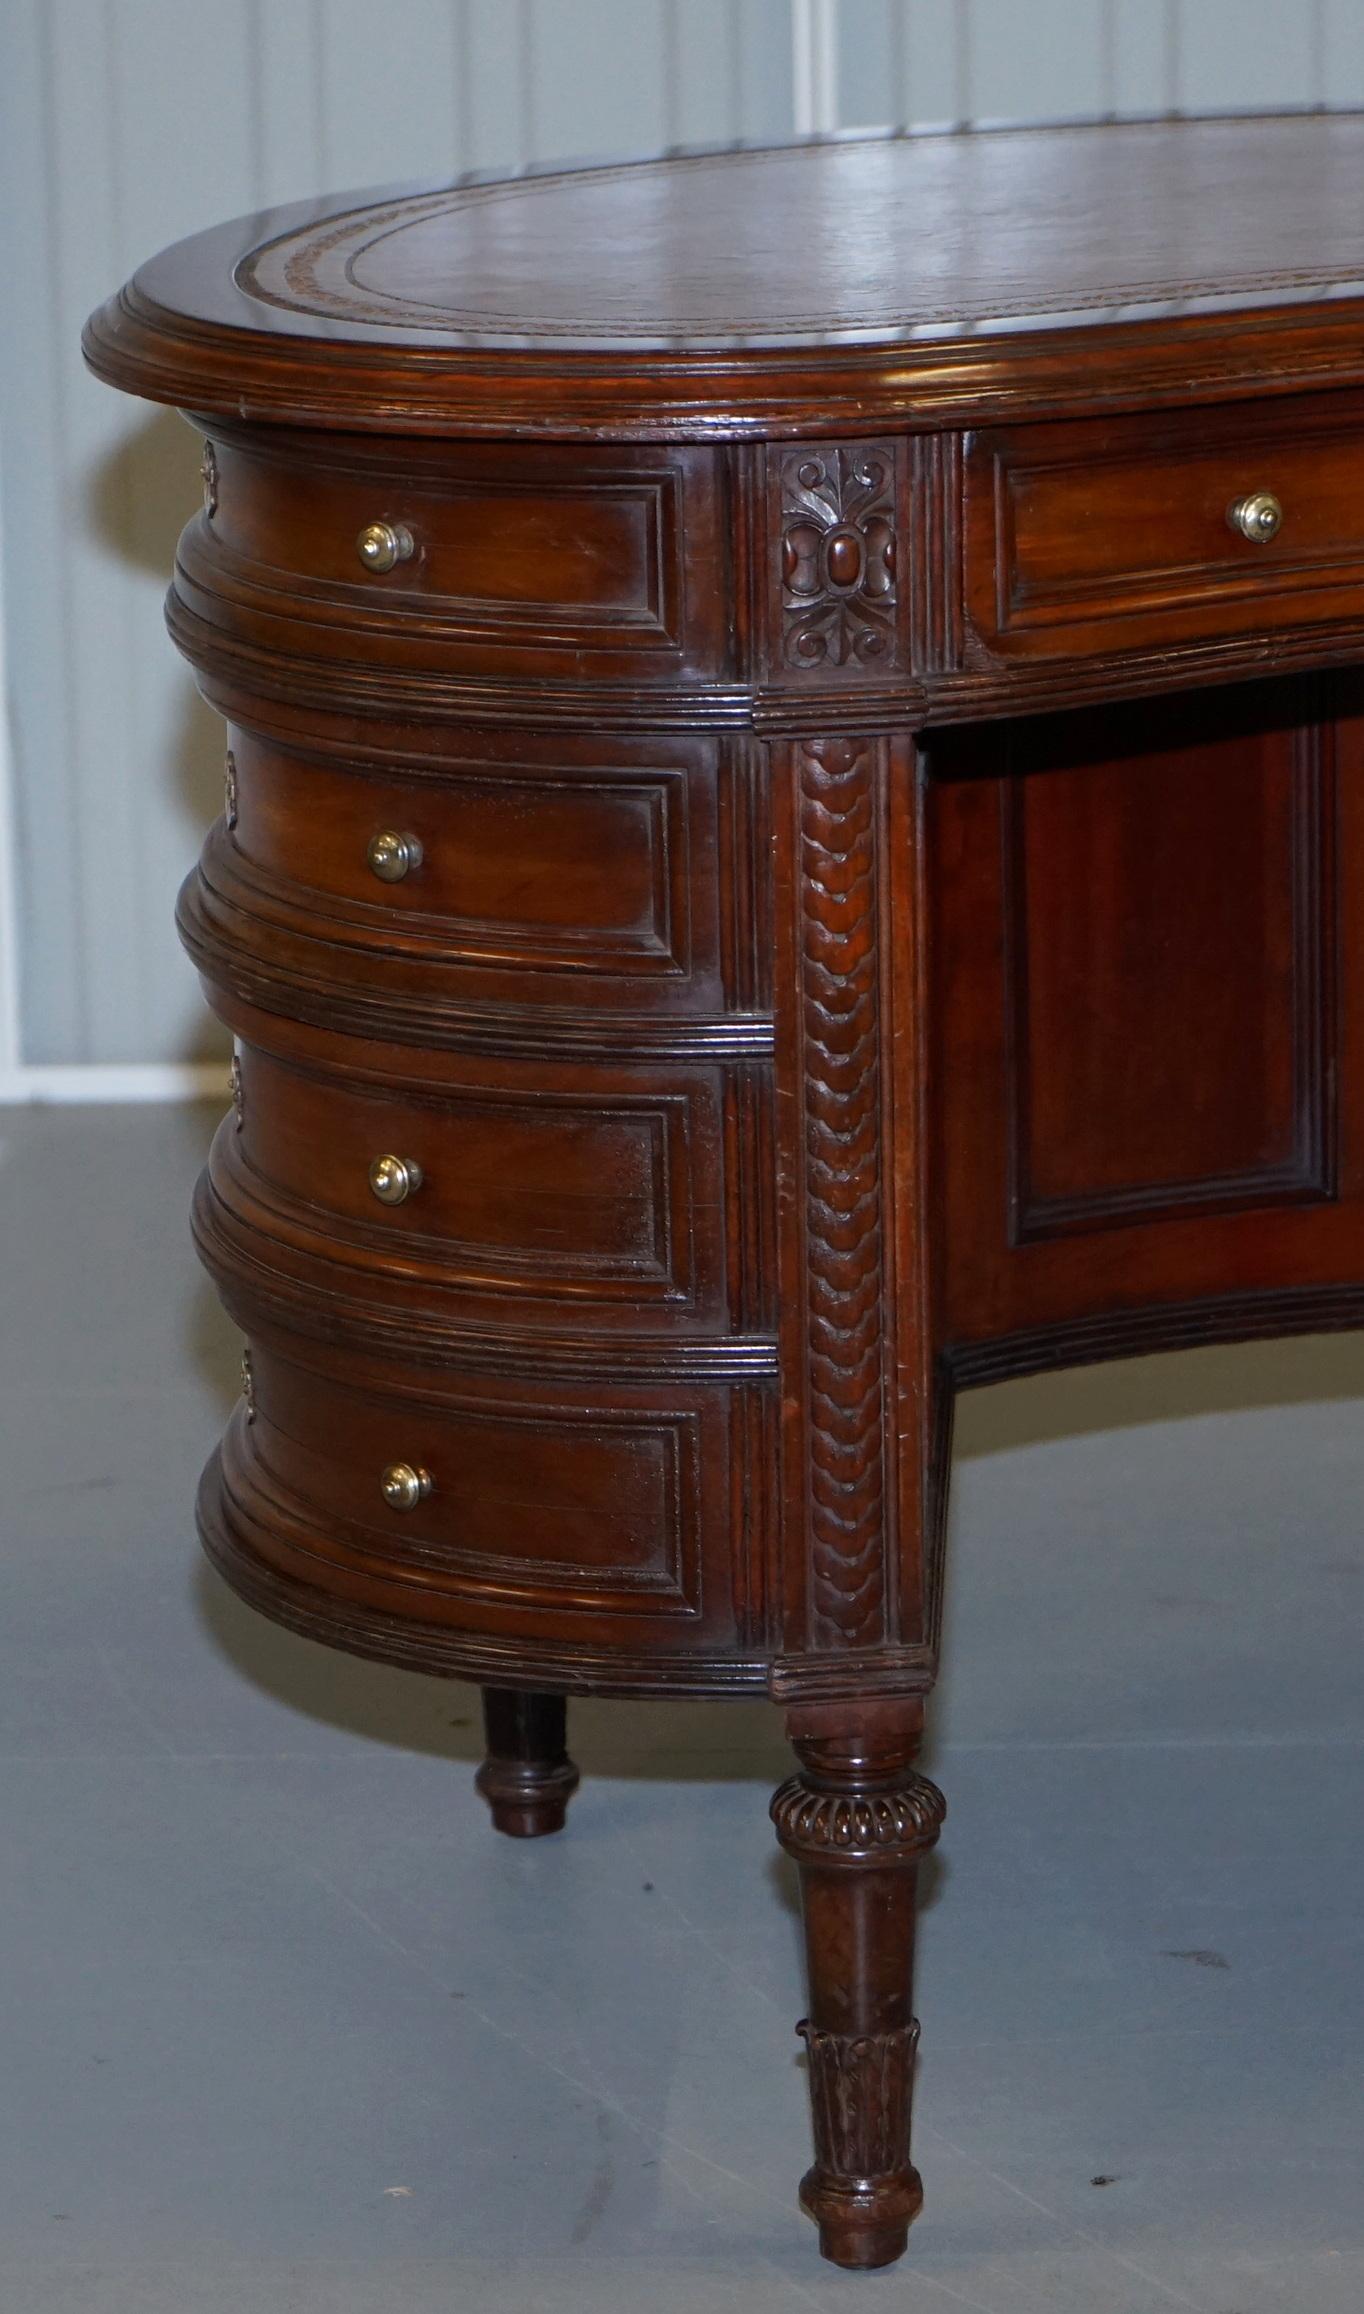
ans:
(286, 2030)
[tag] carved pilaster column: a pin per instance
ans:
(857, 1820)
(839, 1066)
(860, 1459)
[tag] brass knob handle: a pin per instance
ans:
(393, 1179)
(392, 856)
(1257, 517)
(405, 1485)
(383, 544)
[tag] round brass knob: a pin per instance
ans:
(392, 856)
(1257, 517)
(405, 1485)
(382, 544)
(393, 1179)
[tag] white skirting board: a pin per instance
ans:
(152, 1081)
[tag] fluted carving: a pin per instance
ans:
(861, 2086)
(858, 1822)
(840, 1070)
(819, 1827)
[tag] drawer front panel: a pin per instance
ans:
(533, 552)
(529, 859)
(1116, 534)
(560, 1184)
(608, 1502)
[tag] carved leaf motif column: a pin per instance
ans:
(838, 649)
(857, 1819)
(840, 1076)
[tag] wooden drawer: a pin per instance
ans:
(567, 1190)
(609, 1501)
(530, 556)
(1116, 534)
(541, 867)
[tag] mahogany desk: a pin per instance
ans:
(794, 840)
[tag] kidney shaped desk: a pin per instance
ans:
(793, 841)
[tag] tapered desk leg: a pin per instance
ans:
(527, 1778)
(858, 1820)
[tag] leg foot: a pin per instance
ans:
(527, 1778)
(857, 1820)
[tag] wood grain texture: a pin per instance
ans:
(714, 292)
(1155, 905)
(857, 1820)
(781, 1023)
(1153, 1243)
(1118, 532)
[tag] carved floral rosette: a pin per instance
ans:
(839, 585)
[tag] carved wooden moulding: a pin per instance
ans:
(839, 580)
(840, 1084)
(697, 1002)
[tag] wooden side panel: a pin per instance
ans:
(1169, 936)
(1147, 1068)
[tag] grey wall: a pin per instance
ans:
(942, 60)
(129, 122)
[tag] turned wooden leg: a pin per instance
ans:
(527, 1778)
(857, 1820)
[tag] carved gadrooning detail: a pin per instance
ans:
(230, 790)
(861, 2088)
(819, 1826)
(208, 470)
(838, 557)
(248, 1386)
(840, 1074)
(234, 1086)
